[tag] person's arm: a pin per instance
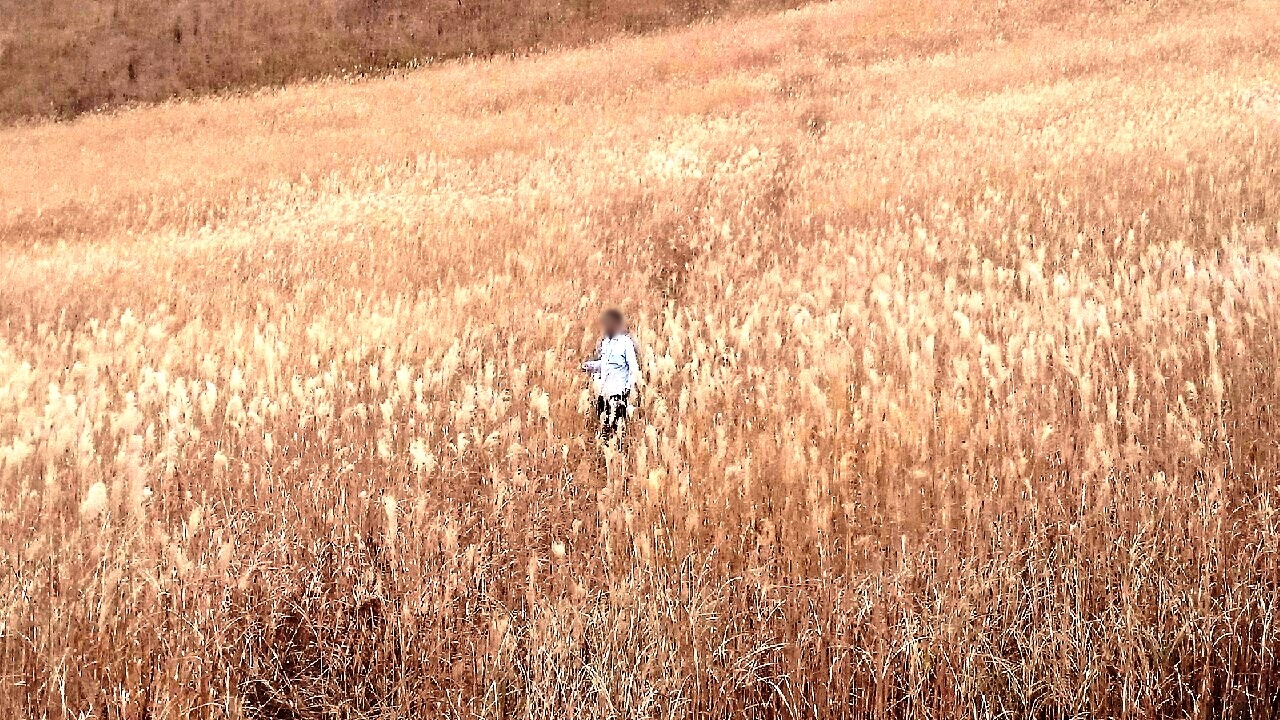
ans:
(633, 365)
(593, 365)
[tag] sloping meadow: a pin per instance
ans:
(959, 360)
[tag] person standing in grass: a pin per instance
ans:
(615, 370)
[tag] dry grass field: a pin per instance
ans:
(959, 328)
(65, 57)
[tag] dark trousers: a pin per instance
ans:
(612, 411)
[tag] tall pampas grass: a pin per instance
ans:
(957, 332)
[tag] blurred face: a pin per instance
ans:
(611, 324)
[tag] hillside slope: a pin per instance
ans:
(65, 57)
(958, 331)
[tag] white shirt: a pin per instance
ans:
(615, 368)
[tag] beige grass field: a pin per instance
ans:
(960, 332)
